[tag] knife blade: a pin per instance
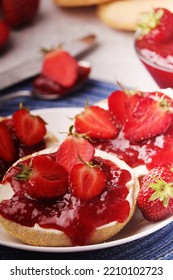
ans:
(32, 67)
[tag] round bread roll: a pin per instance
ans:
(38, 236)
(79, 3)
(125, 14)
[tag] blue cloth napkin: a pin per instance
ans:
(92, 91)
(158, 245)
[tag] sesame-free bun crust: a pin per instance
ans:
(79, 3)
(125, 14)
(50, 140)
(38, 236)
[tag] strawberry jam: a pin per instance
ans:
(158, 60)
(77, 218)
(151, 152)
(44, 86)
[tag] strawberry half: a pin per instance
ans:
(122, 103)
(28, 128)
(7, 147)
(61, 67)
(96, 122)
(86, 181)
(150, 118)
(70, 150)
(157, 25)
(155, 198)
(44, 178)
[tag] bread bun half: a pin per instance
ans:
(39, 236)
(79, 3)
(125, 14)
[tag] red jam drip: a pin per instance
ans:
(78, 219)
(151, 152)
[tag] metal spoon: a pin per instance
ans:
(47, 95)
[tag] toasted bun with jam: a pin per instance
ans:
(49, 235)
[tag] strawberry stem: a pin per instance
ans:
(78, 135)
(127, 91)
(149, 21)
(25, 172)
(165, 104)
(162, 191)
(45, 50)
(89, 163)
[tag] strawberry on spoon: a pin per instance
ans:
(45, 88)
(61, 67)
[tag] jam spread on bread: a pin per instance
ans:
(76, 217)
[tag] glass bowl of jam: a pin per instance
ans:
(157, 58)
(154, 45)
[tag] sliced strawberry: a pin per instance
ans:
(60, 67)
(150, 118)
(122, 103)
(29, 129)
(155, 198)
(44, 178)
(96, 122)
(7, 147)
(71, 149)
(86, 181)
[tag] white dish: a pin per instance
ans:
(59, 120)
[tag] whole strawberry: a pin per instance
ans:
(157, 25)
(4, 33)
(19, 12)
(155, 198)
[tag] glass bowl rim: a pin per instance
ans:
(145, 60)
